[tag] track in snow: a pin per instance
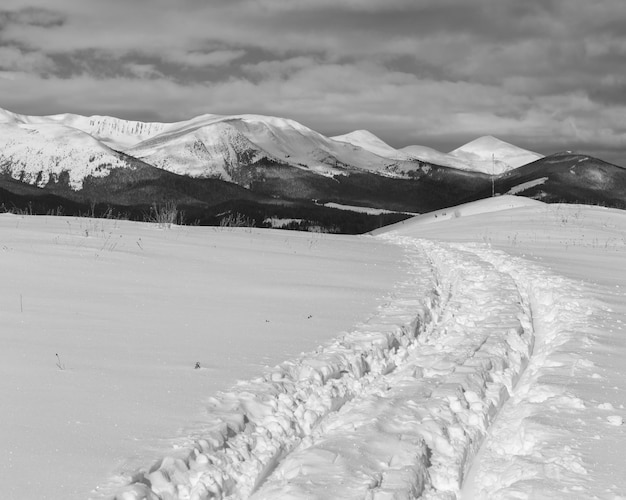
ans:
(397, 408)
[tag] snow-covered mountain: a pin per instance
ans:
(205, 146)
(40, 153)
(475, 156)
(36, 149)
(492, 156)
(215, 144)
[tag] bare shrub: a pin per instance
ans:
(237, 220)
(165, 214)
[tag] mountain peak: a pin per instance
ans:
(485, 143)
(370, 142)
(494, 156)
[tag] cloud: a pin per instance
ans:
(14, 59)
(32, 16)
(201, 59)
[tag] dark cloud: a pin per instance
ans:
(32, 16)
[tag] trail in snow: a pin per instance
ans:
(400, 406)
(532, 450)
(413, 432)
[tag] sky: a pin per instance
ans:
(546, 75)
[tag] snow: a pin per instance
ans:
(476, 354)
(520, 188)
(364, 210)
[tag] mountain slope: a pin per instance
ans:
(568, 177)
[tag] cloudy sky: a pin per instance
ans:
(547, 75)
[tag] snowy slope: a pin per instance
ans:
(216, 150)
(39, 153)
(492, 156)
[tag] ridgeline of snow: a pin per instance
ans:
(114, 132)
(492, 156)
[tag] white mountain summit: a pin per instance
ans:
(492, 156)
(486, 154)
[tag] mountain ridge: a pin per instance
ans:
(266, 165)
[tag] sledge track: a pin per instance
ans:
(397, 408)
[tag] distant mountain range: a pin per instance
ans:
(269, 166)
